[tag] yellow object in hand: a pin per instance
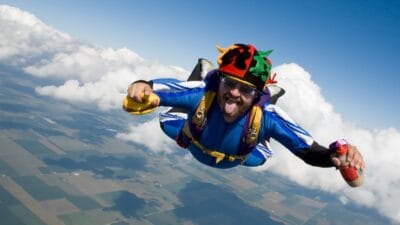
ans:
(139, 108)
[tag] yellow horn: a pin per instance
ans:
(223, 51)
(220, 49)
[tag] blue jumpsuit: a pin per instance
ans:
(220, 135)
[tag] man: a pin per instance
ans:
(229, 115)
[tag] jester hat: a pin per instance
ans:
(246, 64)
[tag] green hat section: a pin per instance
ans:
(262, 66)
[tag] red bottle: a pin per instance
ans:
(353, 176)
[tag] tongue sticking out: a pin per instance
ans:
(230, 107)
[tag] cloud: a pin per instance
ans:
(25, 39)
(91, 74)
(95, 75)
(150, 135)
(305, 104)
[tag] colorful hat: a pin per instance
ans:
(245, 63)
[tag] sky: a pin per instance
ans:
(335, 59)
(349, 47)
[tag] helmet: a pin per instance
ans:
(244, 63)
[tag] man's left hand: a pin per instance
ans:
(353, 159)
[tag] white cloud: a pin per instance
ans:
(95, 75)
(24, 38)
(150, 135)
(92, 74)
(305, 104)
(107, 92)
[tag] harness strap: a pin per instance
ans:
(219, 156)
(199, 116)
(254, 126)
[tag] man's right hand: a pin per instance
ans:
(140, 92)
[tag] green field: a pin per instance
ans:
(83, 202)
(80, 218)
(167, 217)
(7, 199)
(39, 189)
(25, 215)
(18, 215)
(36, 148)
(6, 169)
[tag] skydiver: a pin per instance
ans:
(229, 116)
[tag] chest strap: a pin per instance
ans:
(219, 156)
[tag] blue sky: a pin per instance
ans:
(349, 47)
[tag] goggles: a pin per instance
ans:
(244, 89)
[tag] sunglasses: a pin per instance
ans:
(243, 88)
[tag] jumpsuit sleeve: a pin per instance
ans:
(279, 126)
(175, 93)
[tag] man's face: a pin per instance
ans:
(234, 98)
